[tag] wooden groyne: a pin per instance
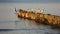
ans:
(40, 18)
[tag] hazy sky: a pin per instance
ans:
(34, 1)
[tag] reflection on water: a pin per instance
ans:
(24, 26)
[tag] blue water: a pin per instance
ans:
(11, 24)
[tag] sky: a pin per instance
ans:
(32, 1)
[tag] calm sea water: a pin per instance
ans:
(11, 24)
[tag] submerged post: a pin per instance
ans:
(15, 10)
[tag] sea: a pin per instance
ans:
(11, 24)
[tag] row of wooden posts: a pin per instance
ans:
(41, 18)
